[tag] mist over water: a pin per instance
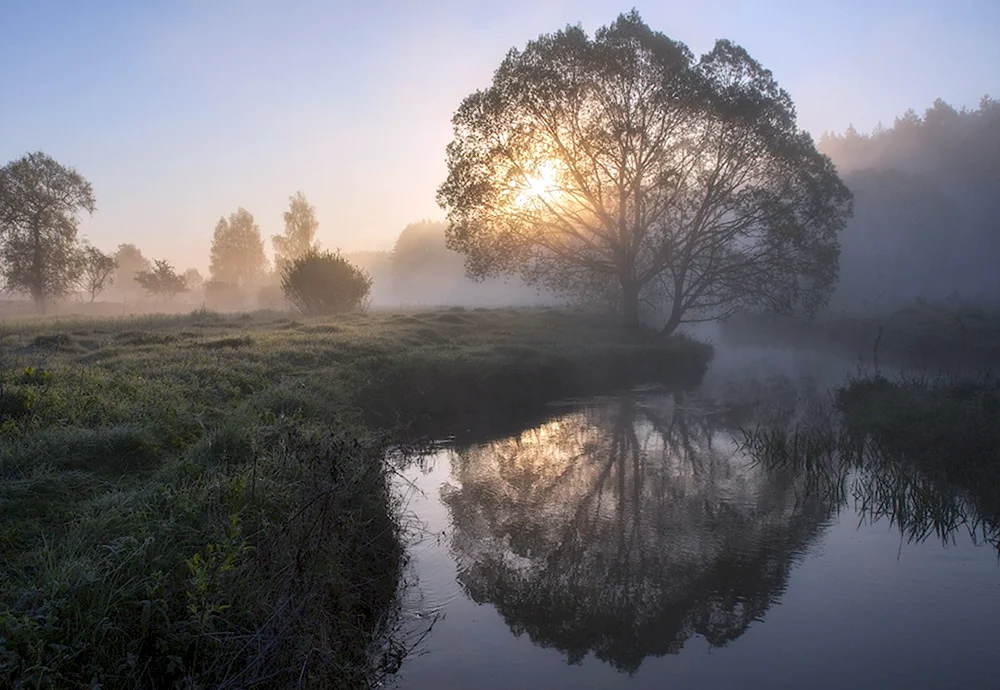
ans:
(629, 541)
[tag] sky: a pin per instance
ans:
(181, 111)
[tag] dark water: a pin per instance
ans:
(628, 542)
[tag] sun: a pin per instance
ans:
(541, 185)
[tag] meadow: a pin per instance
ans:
(202, 500)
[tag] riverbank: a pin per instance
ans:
(201, 500)
(949, 428)
(922, 451)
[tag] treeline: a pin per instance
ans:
(925, 209)
(43, 256)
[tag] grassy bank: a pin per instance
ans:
(923, 453)
(948, 427)
(201, 501)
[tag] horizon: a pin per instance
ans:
(179, 115)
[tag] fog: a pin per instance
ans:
(178, 117)
(925, 209)
(923, 229)
(421, 271)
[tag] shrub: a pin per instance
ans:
(325, 283)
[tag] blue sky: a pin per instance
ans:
(181, 111)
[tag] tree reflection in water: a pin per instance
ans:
(626, 527)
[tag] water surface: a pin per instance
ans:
(628, 542)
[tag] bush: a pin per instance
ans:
(325, 283)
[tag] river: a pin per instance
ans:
(629, 542)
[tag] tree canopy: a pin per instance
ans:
(161, 280)
(40, 205)
(299, 237)
(237, 255)
(130, 261)
(423, 270)
(97, 271)
(193, 279)
(619, 166)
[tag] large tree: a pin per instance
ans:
(40, 206)
(237, 256)
(299, 237)
(621, 165)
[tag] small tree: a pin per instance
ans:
(193, 280)
(161, 280)
(325, 283)
(97, 271)
(421, 260)
(237, 254)
(300, 232)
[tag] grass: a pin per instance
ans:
(202, 500)
(948, 427)
(923, 453)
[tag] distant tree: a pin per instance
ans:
(130, 261)
(621, 165)
(325, 283)
(221, 295)
(193, 279)
(299, 237)
(374, 262)
(161, 280)
(97, 271)
(40, 205)
(421, 260)
(378, 265)
(237, 255)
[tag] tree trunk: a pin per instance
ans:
(37, 270)
(673, 321)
